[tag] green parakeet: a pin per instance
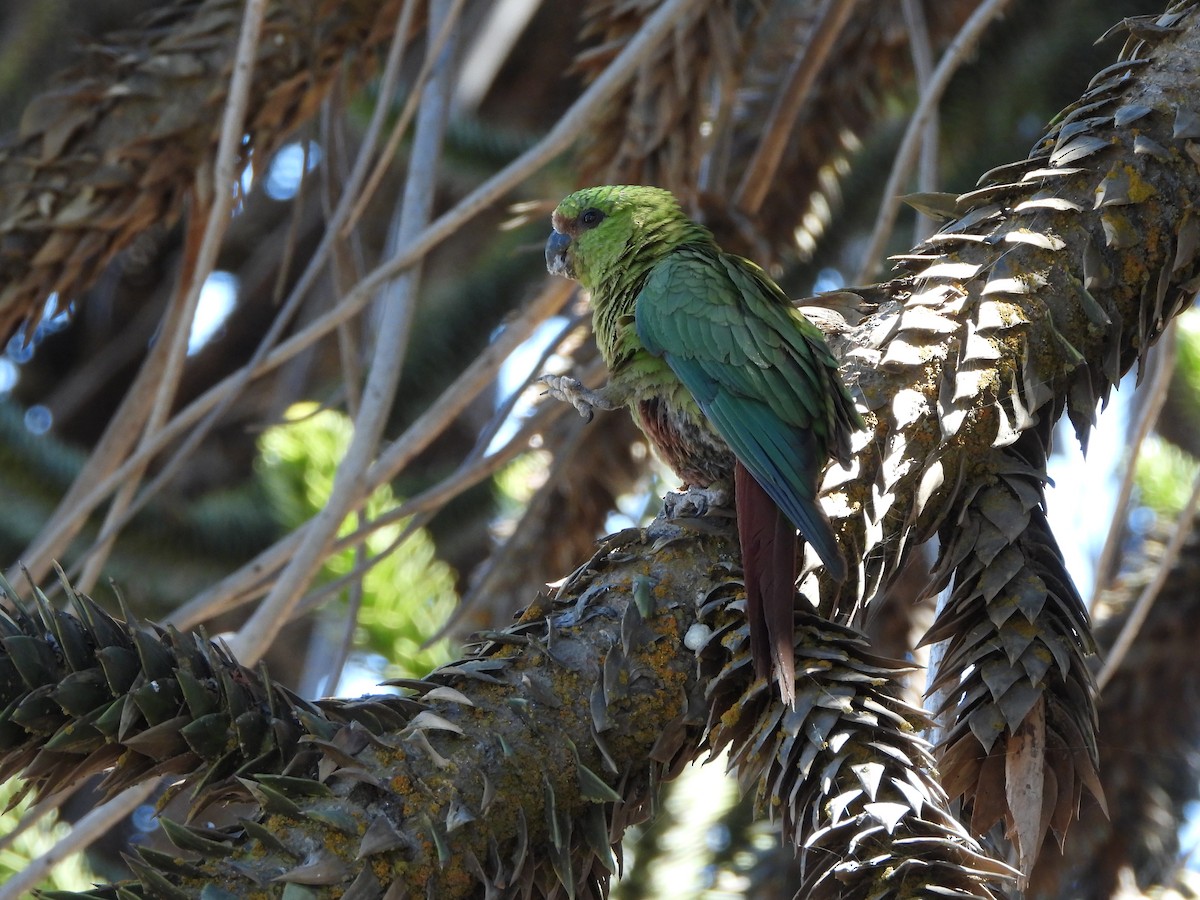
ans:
(730, 383)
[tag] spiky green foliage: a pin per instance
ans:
(1149, 725)
(435, 789)
(1013, 676)
(846, 770)
(83, 692)
(1054, 278)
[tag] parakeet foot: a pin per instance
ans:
(571, 390)
(696, 502)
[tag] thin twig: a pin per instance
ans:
(1155, 399)
(477, 376)
(57, 533)
(346, 271)
(418, 436)
(569, 127)
(406, 115)
(491, 47)
(922, 57)
(295, 217)
(83, 834)
(1141, 609)
(964, 42)
(533, 511)
(215, 212)
(253, 639)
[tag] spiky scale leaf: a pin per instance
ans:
(252, 733)
(72, 640)
(201, 700)
(210, 736)
(159, 741)
(33, 659)
(458, 815)
(75, 737)
(365, 887)
(381, 836)
(266, 837)
(153, 881)
(593, 787)
(333, 817)
(205, 841)
(158, 700)
(437, 838)
(120, 666)
(156, 660)
(83, 692)
(319, 868)
(168, 864)
(295, 787)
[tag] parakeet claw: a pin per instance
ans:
(571, 390)
(695, 502)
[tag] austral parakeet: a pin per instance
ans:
(730, 383)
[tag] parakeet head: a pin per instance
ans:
(599, 231)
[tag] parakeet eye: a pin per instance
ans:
(590, 218)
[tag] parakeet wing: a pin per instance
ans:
(755, 371)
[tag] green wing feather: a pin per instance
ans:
(759, 371)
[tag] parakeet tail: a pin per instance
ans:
(819, 533)
(769, 546)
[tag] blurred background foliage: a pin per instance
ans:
(17, 848)
(400, 600)
(267, 465)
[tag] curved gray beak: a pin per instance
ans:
(557, 262)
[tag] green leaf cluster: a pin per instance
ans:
(408, 593)
(1165, 473)
(70, 874)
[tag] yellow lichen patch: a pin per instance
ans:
(1133, 268)
(1140, 190)
(731, 716)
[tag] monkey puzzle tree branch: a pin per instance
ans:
(130, 134)
(1149, 724)
(520, 765)
(1054, 277)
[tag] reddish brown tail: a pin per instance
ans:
(768, 542)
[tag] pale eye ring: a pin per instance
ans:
(590, 218)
